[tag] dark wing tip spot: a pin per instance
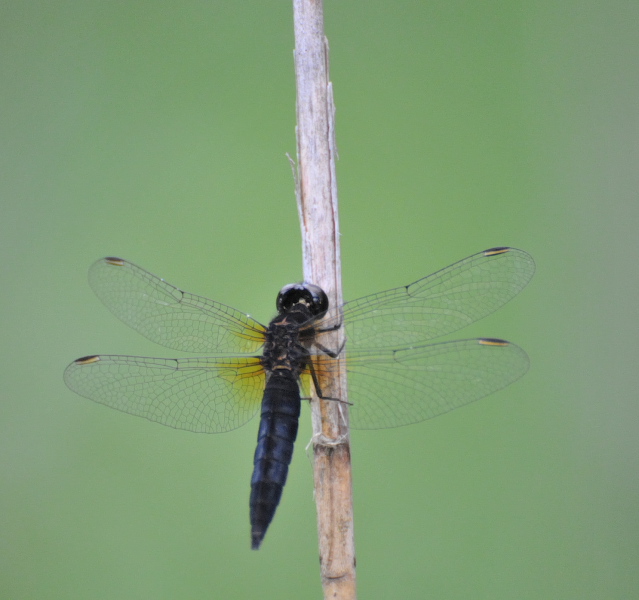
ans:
(87, 360)
(114, 260)
(497, 250)
(493, 342)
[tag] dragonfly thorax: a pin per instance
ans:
(283, 349)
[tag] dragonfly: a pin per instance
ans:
(394, 377)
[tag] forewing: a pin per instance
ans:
(399, 387)
(168, 316)
(439, 303)
(205, 395)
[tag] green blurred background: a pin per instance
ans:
(157, 131)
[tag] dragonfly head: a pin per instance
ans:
(311, 296)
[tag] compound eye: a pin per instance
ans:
(319, 300)
(312, 296)
(287, 297)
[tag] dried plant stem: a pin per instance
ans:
(317, 205)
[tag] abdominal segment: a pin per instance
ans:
(275, 441)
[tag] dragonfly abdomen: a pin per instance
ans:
(275, 441)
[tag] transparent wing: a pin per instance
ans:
(168, 316)
(437, 304)
(205, 395)
(398, 387)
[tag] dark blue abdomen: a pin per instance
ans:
(275, 440)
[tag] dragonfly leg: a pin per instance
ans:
(318, 388)
(331, 328)
(328, 352)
